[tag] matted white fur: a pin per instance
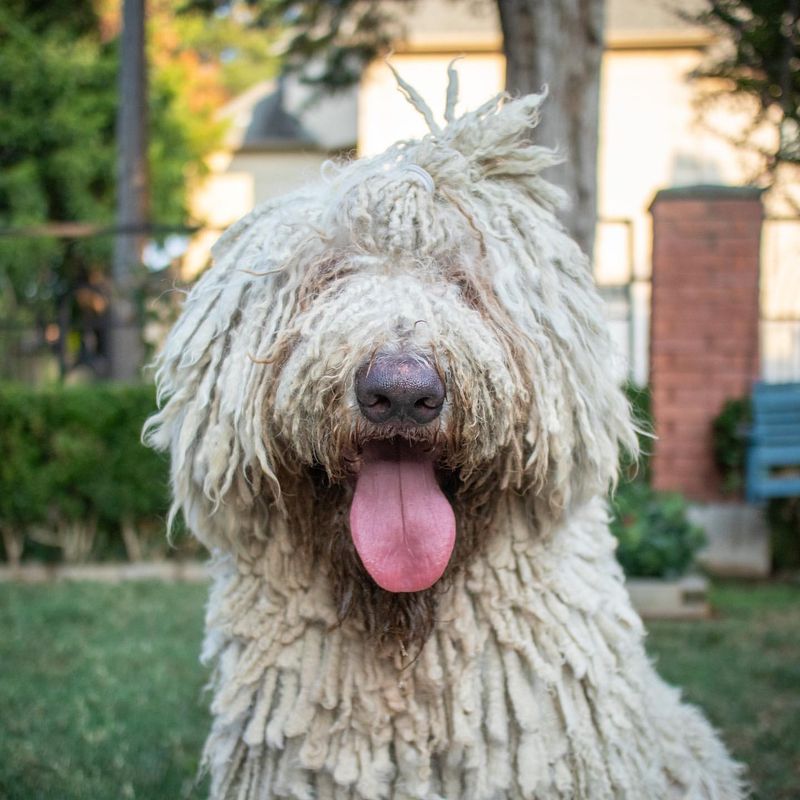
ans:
(534, 682)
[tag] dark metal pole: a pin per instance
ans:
(127, 349)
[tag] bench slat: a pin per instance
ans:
(776, 412)
(774, 441)
(793, 420)
(761, 388)
(774, 487)
(769, 405)
(791, 429)
(778, 439)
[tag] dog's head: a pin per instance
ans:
(379, 358)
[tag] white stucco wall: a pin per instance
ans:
(650, 137)
(385, 116)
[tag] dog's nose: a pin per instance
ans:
(399, 387)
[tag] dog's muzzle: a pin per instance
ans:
(399, 388)
(403, 526)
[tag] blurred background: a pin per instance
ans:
(133, 132)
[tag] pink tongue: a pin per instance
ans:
(402, 525)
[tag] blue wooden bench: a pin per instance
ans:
(773, 453)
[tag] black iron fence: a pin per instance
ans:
(55, 295)
(624, 282)
(54, 299)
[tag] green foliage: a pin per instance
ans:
(58, 106)
(656, 540)
(57, 129)
(77, 17)
(640, 403)
(760, 63)
(730, 442)
(56, 156)
(71, 457)
(243, 54)
(72, 460)
(783, 518)
(181, 135)
(655, 537)
(329, 44)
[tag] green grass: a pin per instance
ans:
(101, 692)
(743, 669)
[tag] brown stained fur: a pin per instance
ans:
(388, 619)
(317, 497)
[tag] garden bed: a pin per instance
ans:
(654, 598)
(662, 598)
(106, 573)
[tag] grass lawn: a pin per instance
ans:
(743, 669)
(101, 693)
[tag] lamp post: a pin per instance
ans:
(126, 347)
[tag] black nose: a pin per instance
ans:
(399, 387)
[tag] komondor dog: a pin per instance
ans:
(393, 420)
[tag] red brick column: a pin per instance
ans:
(704, 325)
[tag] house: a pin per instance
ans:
(652, 136)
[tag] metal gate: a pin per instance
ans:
(627, 297)
(780, 299)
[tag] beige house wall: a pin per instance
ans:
(238, 182)
(651, 137)
(385, 116)
(276, 173)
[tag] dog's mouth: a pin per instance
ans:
(403, 526)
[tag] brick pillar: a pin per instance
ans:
(704, 325)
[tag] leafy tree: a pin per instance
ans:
(58, 101)
(338, 37)
(78, 17)
(56, 154)
(330, 41)
(758, 60)
(223, 49)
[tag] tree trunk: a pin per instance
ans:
(125, 338)
(559, 43)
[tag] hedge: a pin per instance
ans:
(655, 537)
(75, 481)
(782, 513)
(77, 484)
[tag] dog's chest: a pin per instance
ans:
(518, 688)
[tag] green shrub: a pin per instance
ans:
(75, 481)
(783, 519)
(640, 402)
(730, 452)
(656, 539)
(730, 442)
